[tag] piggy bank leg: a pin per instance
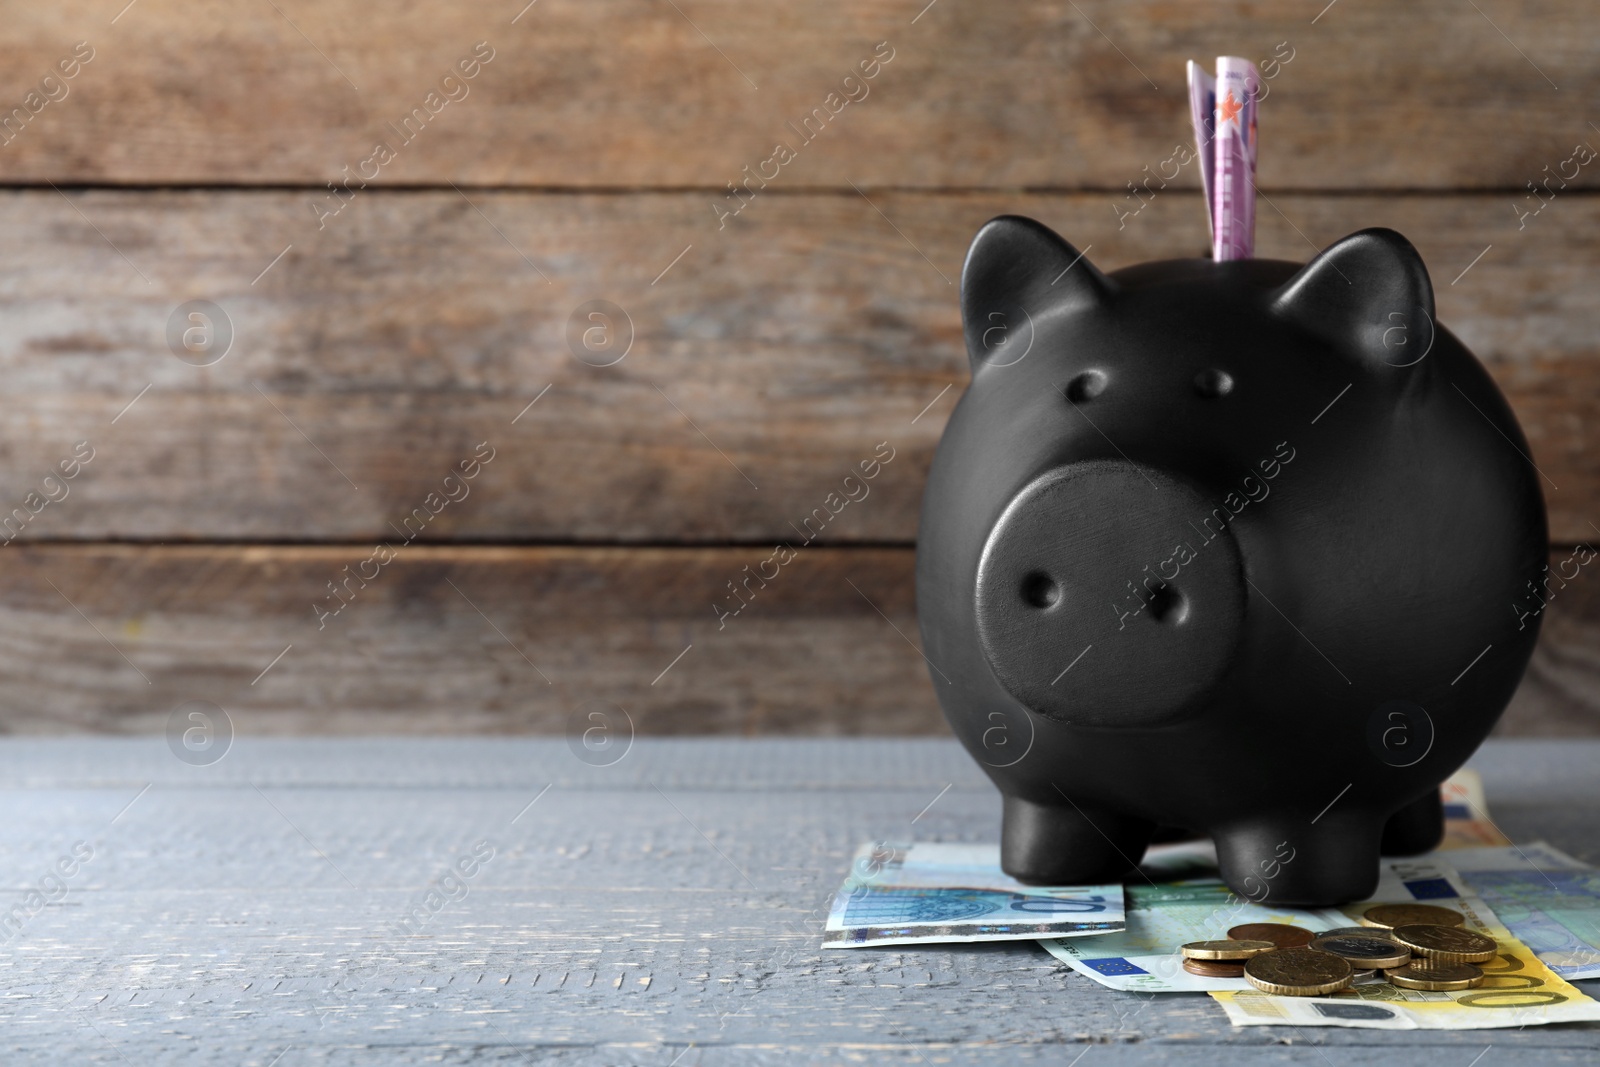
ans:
(1291, 863)
(1418, 827)
(1044, 844)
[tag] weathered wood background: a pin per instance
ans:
(381, 331)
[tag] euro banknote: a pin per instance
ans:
(1233, 182)
(1466, 813)
(1519, 989)
(1161, 916)
(908, 894)
(1548, 900)
(1203, 114)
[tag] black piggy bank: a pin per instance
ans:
(1250, 548)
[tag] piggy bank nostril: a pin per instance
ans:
(1086, 386)
(1213, 383)
(1169, 606)
(1039, 590)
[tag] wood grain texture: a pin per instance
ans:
(388, 330)
(628, 93)
(669, 906)
(468, 640)
(766, 363)
(116, 638)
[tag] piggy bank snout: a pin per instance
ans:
(1109, 594)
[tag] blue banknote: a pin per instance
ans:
(1549, 900)
(901, 894)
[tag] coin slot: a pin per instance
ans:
(1213, 383)
(1086, 386)
(1169, 606)
(1039, 590)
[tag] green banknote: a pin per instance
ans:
(1144, 957)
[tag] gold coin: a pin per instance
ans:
(1437, 977)
(1391, 915)
(1281, 934)
(1298, 972)
(1364, 951)
(1225, 950)
(1447, 944)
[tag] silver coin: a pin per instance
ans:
(1355, 931)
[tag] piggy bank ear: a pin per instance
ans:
(1367, 295)
(1017, 270)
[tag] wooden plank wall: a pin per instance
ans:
(400, 209)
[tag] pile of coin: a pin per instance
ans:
(1416, 946)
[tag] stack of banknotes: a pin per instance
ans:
(1539, 905)
(1523, 988)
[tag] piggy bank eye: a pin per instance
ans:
(1086, 386)
(1213, 383)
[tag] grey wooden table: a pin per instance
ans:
(275, 908)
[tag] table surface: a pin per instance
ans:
(665, 909)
